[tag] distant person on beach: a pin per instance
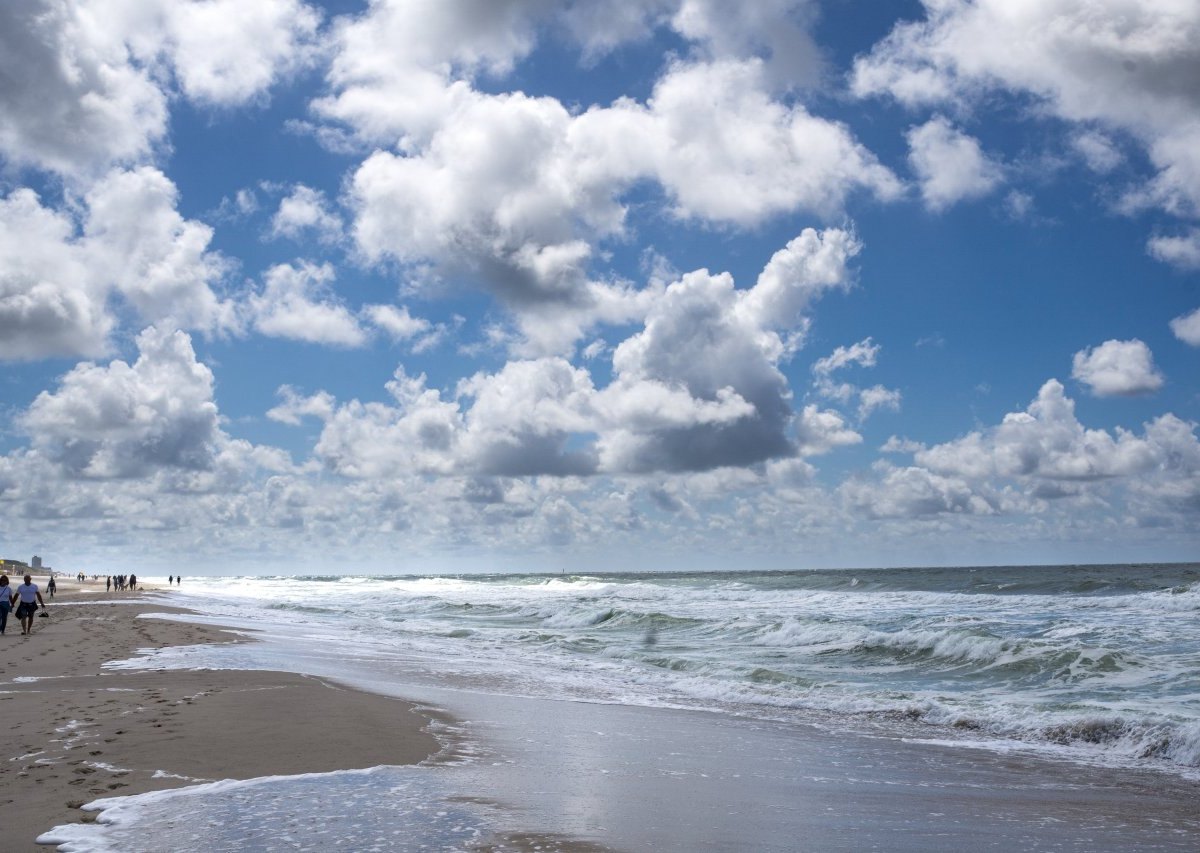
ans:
(6, 600)
(108, 583)
(30, 599)
(133, 581)
(50, 586)
(170, 579)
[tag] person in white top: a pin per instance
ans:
(30, 598)
(6, 600)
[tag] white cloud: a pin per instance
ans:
(1035, 459)
(911, 493)
(1043, 442)
(521, 418)
(1097, 150)
(949, 164)
(1187, 328)
(401, 325)
(696, 388)
(727, 152)
(417, 435)
(297, 302)
(775, 30)
(158, 261)
(1124, 66)
(797, 275)
(306, 210)
(877, 397)
(862, 354)
(86, 80)
(72, 101)
(59, 275)
(229, 52)
(294, 407)
(1117, 368)
(517, 193)
(1181, 250)
(51, 302)
(126, 420)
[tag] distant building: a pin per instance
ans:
(13, 567)
(37, 562)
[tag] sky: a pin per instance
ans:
(598, 285)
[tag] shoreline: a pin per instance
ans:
(78, 732)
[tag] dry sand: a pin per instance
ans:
(79, 732)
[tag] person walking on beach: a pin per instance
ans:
(27, 607)
(50, 586)
(6, 600)
(108, 583)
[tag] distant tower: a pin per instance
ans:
(37, 561)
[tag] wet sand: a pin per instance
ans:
(76, 732)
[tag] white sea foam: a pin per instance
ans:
(1095, 660)
(393, 808)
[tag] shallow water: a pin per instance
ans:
(1034, 709)
(1104, 661)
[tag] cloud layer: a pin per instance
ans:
(531, 278)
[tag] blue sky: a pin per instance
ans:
(529, 285)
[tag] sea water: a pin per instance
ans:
(1093, 662)
(1083, 665)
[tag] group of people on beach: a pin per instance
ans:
(121, 582)
(26, 598)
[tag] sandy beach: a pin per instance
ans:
(76, 732)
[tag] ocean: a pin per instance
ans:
(1075, 667)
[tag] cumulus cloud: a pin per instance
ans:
(706, 336)
(228, 52)
(398, 322)
(862, 354)
(1117, 368)
(518, 193)
(51, 302)
(514, 189)
(297, 302)
(1122, 66)
(950, 165)
(1187, 328)
(728, 152)
(73, 101)
(124, 238)
(124, 420)
(911, 492)
(85, 80)
(1180, 250)
(1097, 150)
(1046, 441)
(305, 211)
(1039, 455)
(697, 388)
(776, 30)
(156, 259)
